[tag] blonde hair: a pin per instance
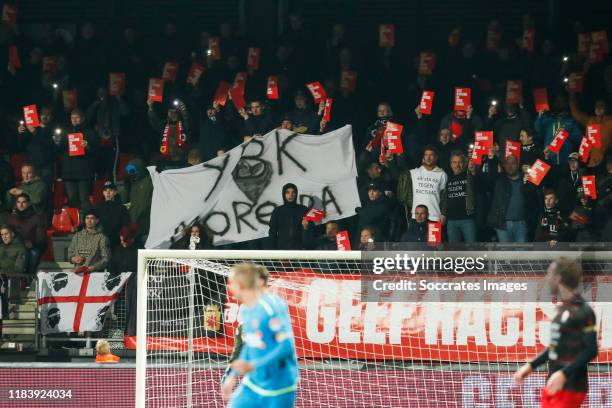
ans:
(103, 347)
(250, 273)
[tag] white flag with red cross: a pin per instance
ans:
(76, 302)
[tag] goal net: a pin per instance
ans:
(430, 350)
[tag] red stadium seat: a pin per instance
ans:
(17, 160)
(66, 220)
(124, 159)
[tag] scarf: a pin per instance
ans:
(181, 138)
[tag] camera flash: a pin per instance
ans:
(566, 79)
(494, 102)
(55, 85)
(565, 58)
(176, 102)
(21, 122)
(58, 131)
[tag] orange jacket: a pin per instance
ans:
(107, 358)
(596, 155)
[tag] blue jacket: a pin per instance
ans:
(547, 126)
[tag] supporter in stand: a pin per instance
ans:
(423, 185)
(78, 169)
(33, 186)
(457, 204)
(30, 228)
(417, 226)
(37, 143)
(287, 224)
(112, 214)
(89, 249)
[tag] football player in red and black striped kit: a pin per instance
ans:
(573, 340)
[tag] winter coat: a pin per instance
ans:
(259, 125)
(159, 125)
(79, 168)
(379, 215)
(416, 232)
(38, 192)
(286, 230)
(141, 196)
(12, 257)
(29, 226)
(113, 216)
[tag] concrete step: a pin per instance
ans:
(18, 328)
(22, 314)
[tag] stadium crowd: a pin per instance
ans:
(124, 129)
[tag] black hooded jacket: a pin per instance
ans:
(286, 230)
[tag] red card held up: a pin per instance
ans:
(221, 93)
(327, 109)
(76, 146)
(426, 102)
(589, 187)
(512, 148)
(540, 98)
(237, 98)
(272, 87)
(30, 115)
(463, 98)
(575, 82)
(558, 140)
(317, 91)
(593, 133)
(427, 63)
(156, 89)
(528, 39)
(240, 81)
(170, 70)
(195, 72)
(343, 242)
(314, 215)
(434, 233)
(537, 171)
(393, 138)
(253, 58)
(585, 149)
(484, 139)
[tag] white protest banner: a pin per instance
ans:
(234, 194)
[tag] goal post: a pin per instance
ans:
(354, 351)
